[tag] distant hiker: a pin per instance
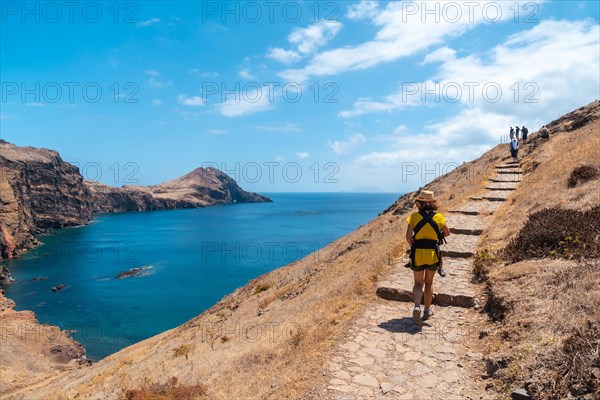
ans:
(512, 132)
(524, 133)
(514, 149)
(544, 133)
(426, 229)
(517, 132)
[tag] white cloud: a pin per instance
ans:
(316, 35)
(202, 74)
(195, 101)
(154, 83)
(345, 146)
(400, 129)
(218, 132)
(149, 22)
(505, 82)
(569, 50)
(157, 102)
(250, 102)
(366, 105)
(283, 56)
(152, 72)
(245, 74)
(364, 9)
(302, 155)
(306, 41)
(401, 34)
(284, 128)
(35, 104)
(191, 115)
(279, 158)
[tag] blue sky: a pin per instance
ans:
(289, 96)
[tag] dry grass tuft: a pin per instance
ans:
(183, 350)
(582, 174)
(559, 233)
(169, 391)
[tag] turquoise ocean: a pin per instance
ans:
(191, 259)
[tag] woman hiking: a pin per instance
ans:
(425, 230)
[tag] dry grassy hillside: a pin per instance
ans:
(270, 338)
(545, 337)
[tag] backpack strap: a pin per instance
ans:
(426, 218)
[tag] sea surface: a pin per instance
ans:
(190, 260)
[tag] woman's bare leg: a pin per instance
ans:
(428, 288)
(418, 287)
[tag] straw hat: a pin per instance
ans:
(426, 196)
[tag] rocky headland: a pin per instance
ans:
(40, 191)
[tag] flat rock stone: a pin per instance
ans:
(428, 381)
(351, 346)
(342, 375)
(366, 380)
(362, 361)
(386, 387)
(411, 356)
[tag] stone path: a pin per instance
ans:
(385, 356)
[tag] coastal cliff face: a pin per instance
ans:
(40, 191)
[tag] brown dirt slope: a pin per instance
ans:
(30, 351)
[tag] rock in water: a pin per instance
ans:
(132, 272)
(5, 277)
(58, 287)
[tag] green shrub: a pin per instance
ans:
(481, 263)
(261, 287)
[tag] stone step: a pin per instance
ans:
(482, 207)
(455, 289)
(461, 224)
(508, 189)
(465, 212)
(496, 193)
(488, 198)
(466, 231)
(440, 299)
(460, 246)
(505, 172)
(503, 166)
(506, 178)
(457, 254)
(494, 198)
